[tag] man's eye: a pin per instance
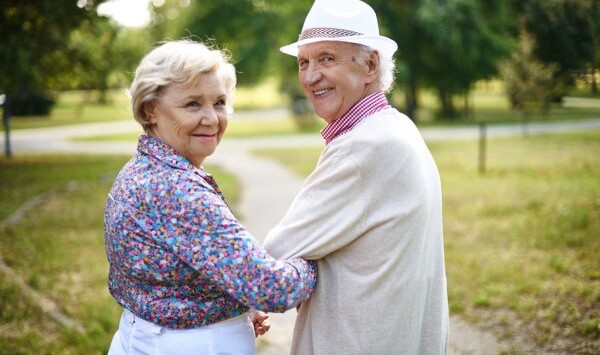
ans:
(327, 59)
(302, 64)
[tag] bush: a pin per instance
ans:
(31, 104)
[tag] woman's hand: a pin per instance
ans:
(260, 322)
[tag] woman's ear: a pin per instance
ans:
(150, 111)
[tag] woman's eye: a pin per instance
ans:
(220, 103)
(192, 104)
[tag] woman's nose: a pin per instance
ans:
(209, 117)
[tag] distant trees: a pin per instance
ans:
(247, 29)
(446, 45)
(104, 56)
(529, 83)
(462, 47)
(252, 31)
(33, 49)
(564, 33)
(34, 37)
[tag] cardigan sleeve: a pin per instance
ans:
(329, 211)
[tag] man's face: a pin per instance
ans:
(333, 77)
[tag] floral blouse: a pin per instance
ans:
(178, 257)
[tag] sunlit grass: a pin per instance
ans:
(73, 107)
(58, 249)
(487, 102)
(520, 239)
(524, 237)
(262, 96)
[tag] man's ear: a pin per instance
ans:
(372, 66)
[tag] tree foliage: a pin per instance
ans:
(528, 82)
(247, 29)
(32, 51)
(104, 56)
(399, 20)
(34, 48)
(462, 48)
(564, 32)
(447, 45)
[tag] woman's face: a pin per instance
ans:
(193, 119)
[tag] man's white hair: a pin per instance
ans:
(387, 67)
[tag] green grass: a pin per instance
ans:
(75, 107)
(238, 128)
(487, 103)
(58, 249)
(521, 240)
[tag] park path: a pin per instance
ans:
(268, 189)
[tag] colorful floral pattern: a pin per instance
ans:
(178, 257)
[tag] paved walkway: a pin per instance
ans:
(268, 190)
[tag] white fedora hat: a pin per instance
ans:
(345, 21)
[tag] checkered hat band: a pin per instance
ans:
(327, 33)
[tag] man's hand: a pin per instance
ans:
(260, 321)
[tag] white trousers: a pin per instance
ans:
(136, 336)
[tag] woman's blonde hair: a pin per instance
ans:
(179, 62)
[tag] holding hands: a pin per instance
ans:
(260, 321)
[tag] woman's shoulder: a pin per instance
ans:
(154, 182)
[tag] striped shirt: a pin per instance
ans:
(363, 108)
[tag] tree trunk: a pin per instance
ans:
(447, 108)
(410, 94)
(594, 84)
(6, 123)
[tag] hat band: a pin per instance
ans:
(326, 32)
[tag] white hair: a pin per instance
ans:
(387, 67)
(179, 62)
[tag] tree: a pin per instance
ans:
(104, 55)
(462, 48)
(247, 29)
(291, 15)
(444, 44)
(528, 81)
(565, 33)
(33, 34)
(399, 20)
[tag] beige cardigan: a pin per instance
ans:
(371, 215)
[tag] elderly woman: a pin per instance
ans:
(183, 268)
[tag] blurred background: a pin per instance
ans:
(522, 211)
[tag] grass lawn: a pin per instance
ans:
(73, 107)
(58, 249)
(487, 102)
(522, 240)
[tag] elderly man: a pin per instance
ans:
(370, 213)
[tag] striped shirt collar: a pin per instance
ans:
(363, 108)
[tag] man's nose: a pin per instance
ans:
(313, 75)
